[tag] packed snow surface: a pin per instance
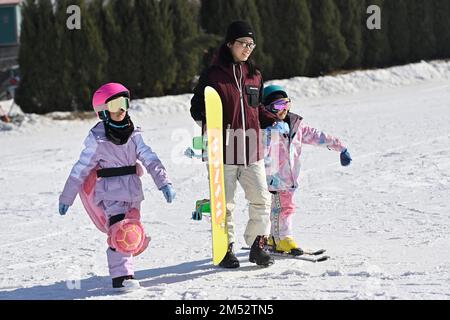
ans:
(384, 220)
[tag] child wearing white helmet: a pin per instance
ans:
(283, 146)
(106, 177)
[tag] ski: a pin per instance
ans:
(314, 253)
(308, 255)
(305, 251)
(301, 257)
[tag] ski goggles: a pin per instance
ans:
(114, 105)
(280, 105)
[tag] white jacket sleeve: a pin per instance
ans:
(319, 138)
(80, 170)
(151, 162)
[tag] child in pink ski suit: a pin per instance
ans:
(283, 147)
(112, 148)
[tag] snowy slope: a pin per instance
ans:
(384, 220)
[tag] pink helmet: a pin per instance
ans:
(105, 93)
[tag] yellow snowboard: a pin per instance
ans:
(213, 107)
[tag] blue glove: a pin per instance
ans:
(274, 181)
(168, 192)
(282, 126)
(345, 158)
(63, 208)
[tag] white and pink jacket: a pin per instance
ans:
(100, 153)
(282, 152)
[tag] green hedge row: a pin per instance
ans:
(158, 47)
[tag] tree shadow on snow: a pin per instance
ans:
(98, 286)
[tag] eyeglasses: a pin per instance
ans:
(280, 105)
(247, 45)
(114, 105)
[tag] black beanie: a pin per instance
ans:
(239, 29)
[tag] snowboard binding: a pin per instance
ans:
(198, 144)
(202, 208)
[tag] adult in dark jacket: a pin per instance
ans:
(240, 86)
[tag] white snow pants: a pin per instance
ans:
(119, 264)
(253, 180)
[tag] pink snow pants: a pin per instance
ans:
(119, 264)
(283, 210)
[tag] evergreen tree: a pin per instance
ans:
(132, 49)
(83, 57)
(46, 53)
(211, 16)
(66, 59)
(216, 15)
(248, 12)
(26, 93)
(123, 40)
(352, 12)
(159, 66)
(79, 62)
(186, 50)
(399, 33)
(89, 58)
(288, 36)
(329, 51)
(231, 10)
(66, 91)
(442, 27)
(377, 49)
(421, 25)
(267, 13)
(39, 59)
(111, 31)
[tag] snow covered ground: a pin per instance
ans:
(385, 220)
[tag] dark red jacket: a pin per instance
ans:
(255, 116)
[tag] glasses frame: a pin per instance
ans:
(247, 45)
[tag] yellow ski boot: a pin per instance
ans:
(286, 245)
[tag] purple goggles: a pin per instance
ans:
(280, 105)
